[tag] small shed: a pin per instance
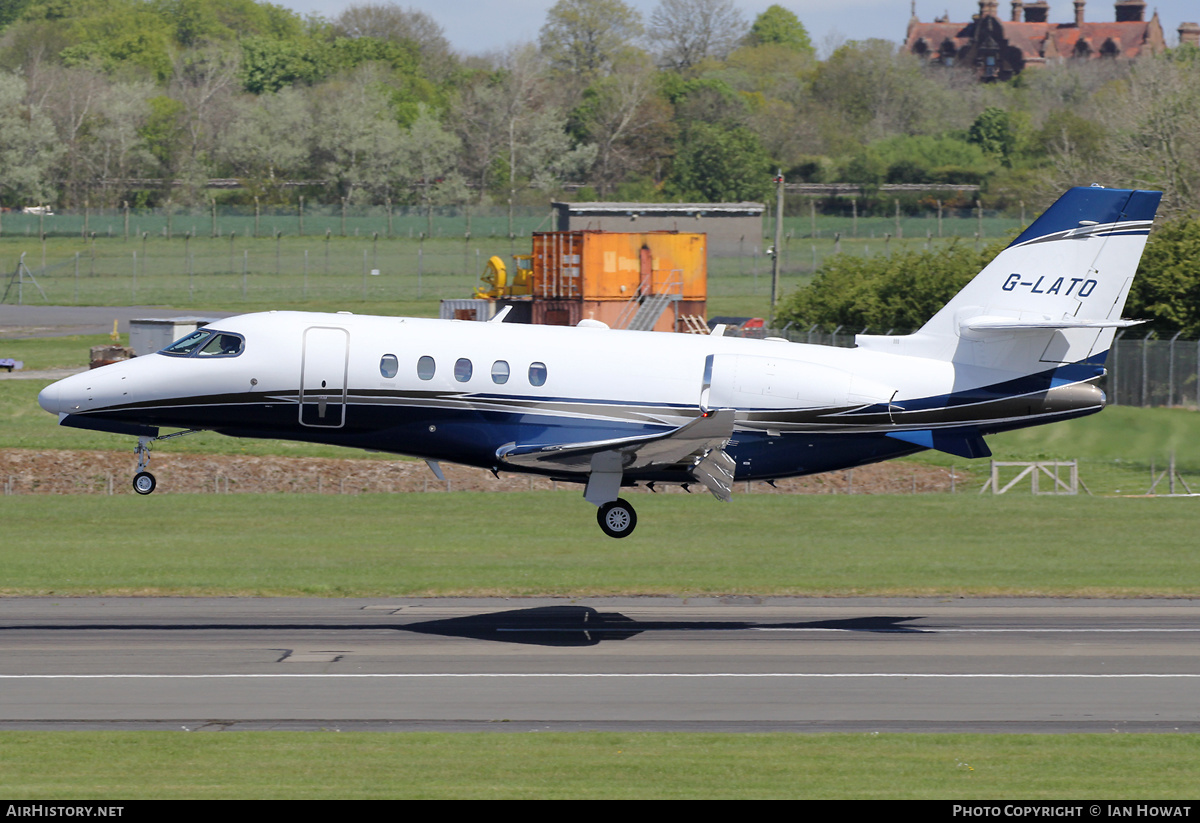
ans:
(733, 229)
(150, 334)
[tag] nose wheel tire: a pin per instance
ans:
(617, 519)
(144, 483)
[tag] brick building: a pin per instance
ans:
(997, 49)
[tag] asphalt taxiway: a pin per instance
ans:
(720, 664)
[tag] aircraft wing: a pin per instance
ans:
(698, 444)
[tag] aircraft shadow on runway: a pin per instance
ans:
(542, 626)
(585, 626)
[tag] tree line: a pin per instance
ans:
(104, 102)
(902, 291)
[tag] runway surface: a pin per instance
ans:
(54, 321)
(729, 664)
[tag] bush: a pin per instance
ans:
(901, 291)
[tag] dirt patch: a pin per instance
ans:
(28, 471)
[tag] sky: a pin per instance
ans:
(481, 26)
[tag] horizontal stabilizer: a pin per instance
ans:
(967, 443)
(1011, 324)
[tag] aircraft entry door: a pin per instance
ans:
(323, 377)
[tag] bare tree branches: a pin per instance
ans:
(688, 32)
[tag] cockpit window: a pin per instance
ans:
(186, 345)
(207, 343)
(223, 344)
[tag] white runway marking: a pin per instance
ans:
(923, 630)
(642, 675)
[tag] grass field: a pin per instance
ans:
(376, 274)
(156, 765)
(546, 543)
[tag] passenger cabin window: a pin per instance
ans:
(426, 368)
(389, 365)
(462, 370)
(537, 374)
(500, 372)
(207, 343)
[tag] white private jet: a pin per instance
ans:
(1022, 344)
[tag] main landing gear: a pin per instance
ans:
(617, 518)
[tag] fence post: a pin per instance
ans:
(1145, 367)
(1171, 369)
(1114, 358)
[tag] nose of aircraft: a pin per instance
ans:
(49, 398)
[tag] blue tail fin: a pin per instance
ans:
(1053, 296)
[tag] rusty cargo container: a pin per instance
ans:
(637, 280)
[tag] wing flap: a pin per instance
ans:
(695, 438)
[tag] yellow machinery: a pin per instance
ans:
(497, 282)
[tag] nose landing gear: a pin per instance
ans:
(144, 482)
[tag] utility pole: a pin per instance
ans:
(776, 251)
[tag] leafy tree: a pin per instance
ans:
(629, 125)
(718, 163)
(780, 27)
(11, 10)
(995, 132)
(1067, 132)
(390, 22)
(28, 146)
(270, 63)
(881, 293)
(204, 81)
(113, 147)
(1166, 290)
(164, 132)
(267, 141)
(584, 38)
(871, 90)
(427, 163)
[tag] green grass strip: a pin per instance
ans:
(547, 543)
(330, 765)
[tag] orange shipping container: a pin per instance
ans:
(602, 266)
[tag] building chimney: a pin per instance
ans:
(1037, 11)
(1131, 11)
(988, 8)
(1017, 7)
(1189, 34)
(1079, 4)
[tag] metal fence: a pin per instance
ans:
(239, 257)
(413, 222)
(1154, 370)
